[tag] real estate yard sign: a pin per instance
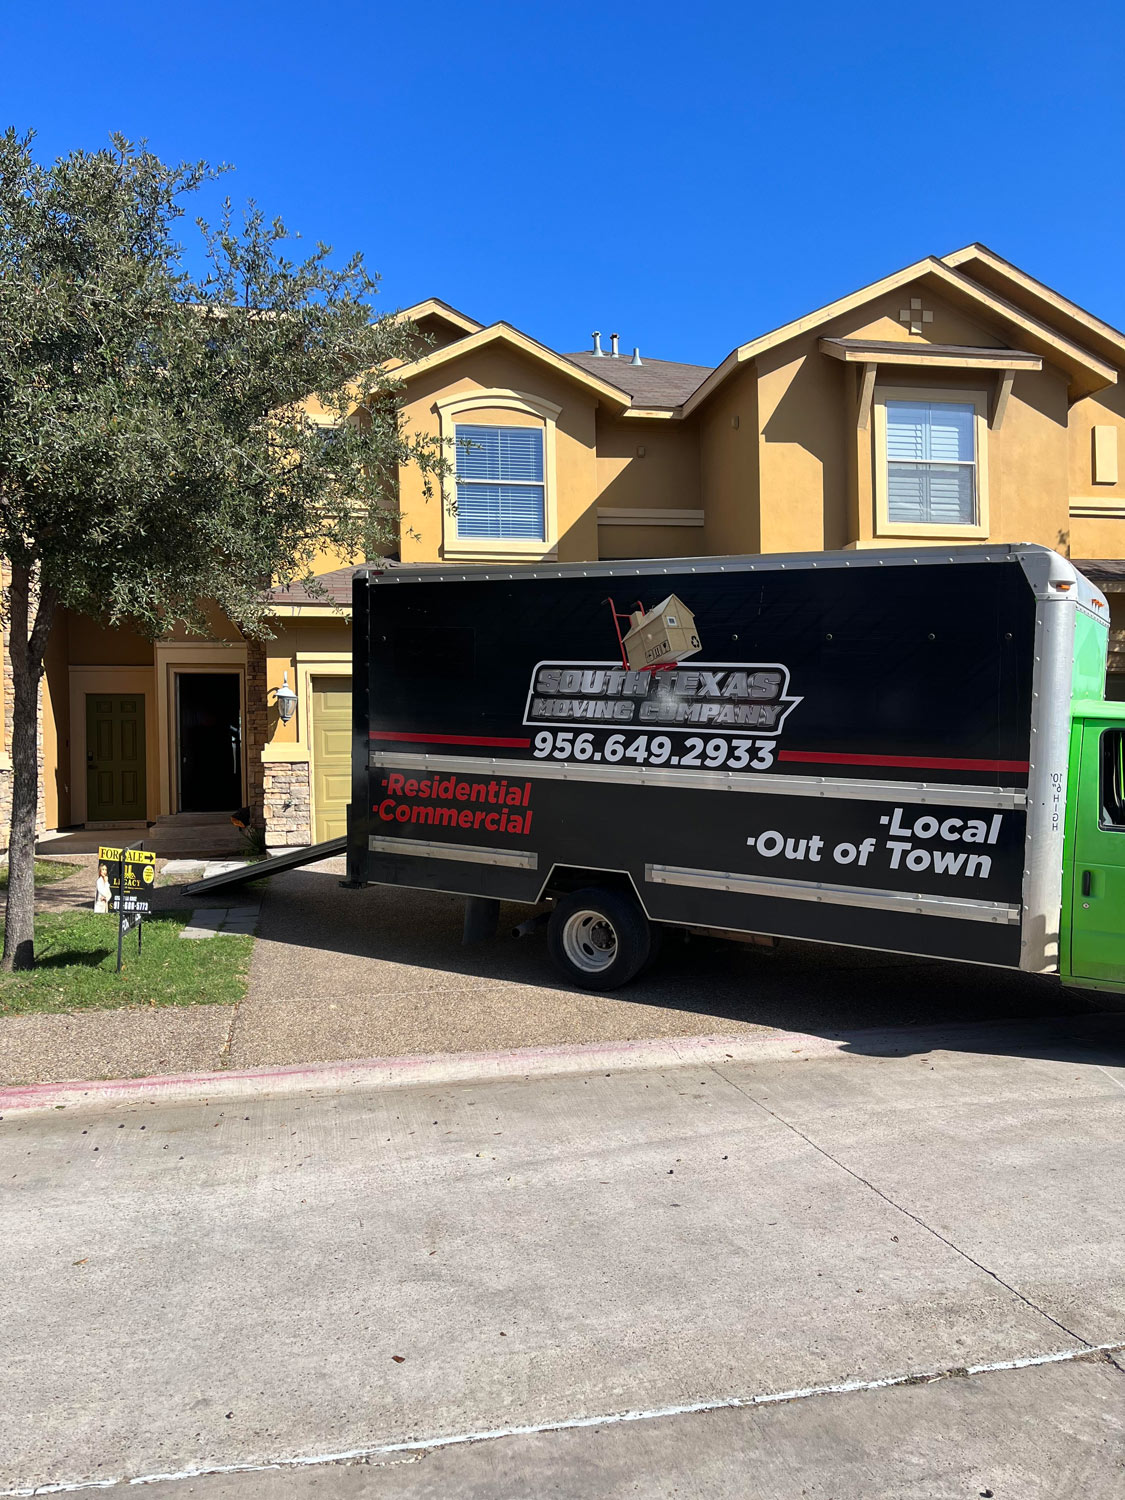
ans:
(126, 875)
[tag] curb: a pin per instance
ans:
(766, 1045)
(415, 1072)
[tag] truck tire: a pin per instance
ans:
(600, 938)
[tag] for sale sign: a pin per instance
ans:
(125, 877)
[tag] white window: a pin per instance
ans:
(501, 493)
(931, 463)
(930, 453)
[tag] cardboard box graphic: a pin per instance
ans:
(665, 634)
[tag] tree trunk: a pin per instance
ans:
(28, 643)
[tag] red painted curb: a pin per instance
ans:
(398, 1072)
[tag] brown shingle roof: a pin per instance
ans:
(1101, 569)
(655, 382)
(337, 587)
(337, 584)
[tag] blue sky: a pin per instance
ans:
(687, 174)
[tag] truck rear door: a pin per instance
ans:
(1097, 932)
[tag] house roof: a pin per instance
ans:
(1087, 371)
(1102, 570)
(505, 333)
(434, 307)
(984, 265)
(336, 586)
(655, 382)
(974, 278)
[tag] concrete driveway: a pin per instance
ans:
(382, 972)
(892, 1267)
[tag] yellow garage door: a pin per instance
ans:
(332, 755)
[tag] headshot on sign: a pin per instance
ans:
(102, 891)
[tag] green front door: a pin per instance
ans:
(1097, 868)
(115, 757)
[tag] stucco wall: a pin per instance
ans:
(1097, 535)
(818, 469)
(728, 466)
(622, 542)
(647, 463)
(1027, 464)
(493, 368)
(805, 409)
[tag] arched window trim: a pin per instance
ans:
(451, 410)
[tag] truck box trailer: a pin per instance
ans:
(905, 750)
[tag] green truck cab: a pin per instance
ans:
(1092, 931)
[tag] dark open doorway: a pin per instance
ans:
(209, 725)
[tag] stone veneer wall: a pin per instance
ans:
(288, 803)
(257, 731)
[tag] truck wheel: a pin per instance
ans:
(600, 939)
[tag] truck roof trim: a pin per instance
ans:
(1043, 567)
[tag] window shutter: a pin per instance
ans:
(933, 494)
(951, 433)
(906, 431)
(931, 463)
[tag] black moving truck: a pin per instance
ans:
(866, 748)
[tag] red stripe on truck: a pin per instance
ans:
(919, 762)
(825, 757)
(447, 739)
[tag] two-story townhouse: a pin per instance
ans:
(956, 400)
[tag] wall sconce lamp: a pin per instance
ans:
(286, 700)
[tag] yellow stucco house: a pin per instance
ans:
(956, 400)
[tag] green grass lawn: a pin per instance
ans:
(77, 955)
(47, 872)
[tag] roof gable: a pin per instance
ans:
(440, 312)
(504, 333)
(1035, 297)
(1087, 370)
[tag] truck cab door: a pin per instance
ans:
(1097, 929)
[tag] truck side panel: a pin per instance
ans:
(845, 759)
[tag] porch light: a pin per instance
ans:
(286, 699)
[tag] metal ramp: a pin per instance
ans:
(266, 867)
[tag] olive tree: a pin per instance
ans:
(155, 447)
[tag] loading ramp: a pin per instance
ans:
(266, 867)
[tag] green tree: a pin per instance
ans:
(155, 452)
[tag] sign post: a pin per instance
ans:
(130, 872)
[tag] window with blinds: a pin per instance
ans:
(931, 463)
(500, 487)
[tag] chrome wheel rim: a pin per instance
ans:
(589, 941)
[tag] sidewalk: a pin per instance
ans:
(340, 975)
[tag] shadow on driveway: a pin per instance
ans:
(382, 971)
